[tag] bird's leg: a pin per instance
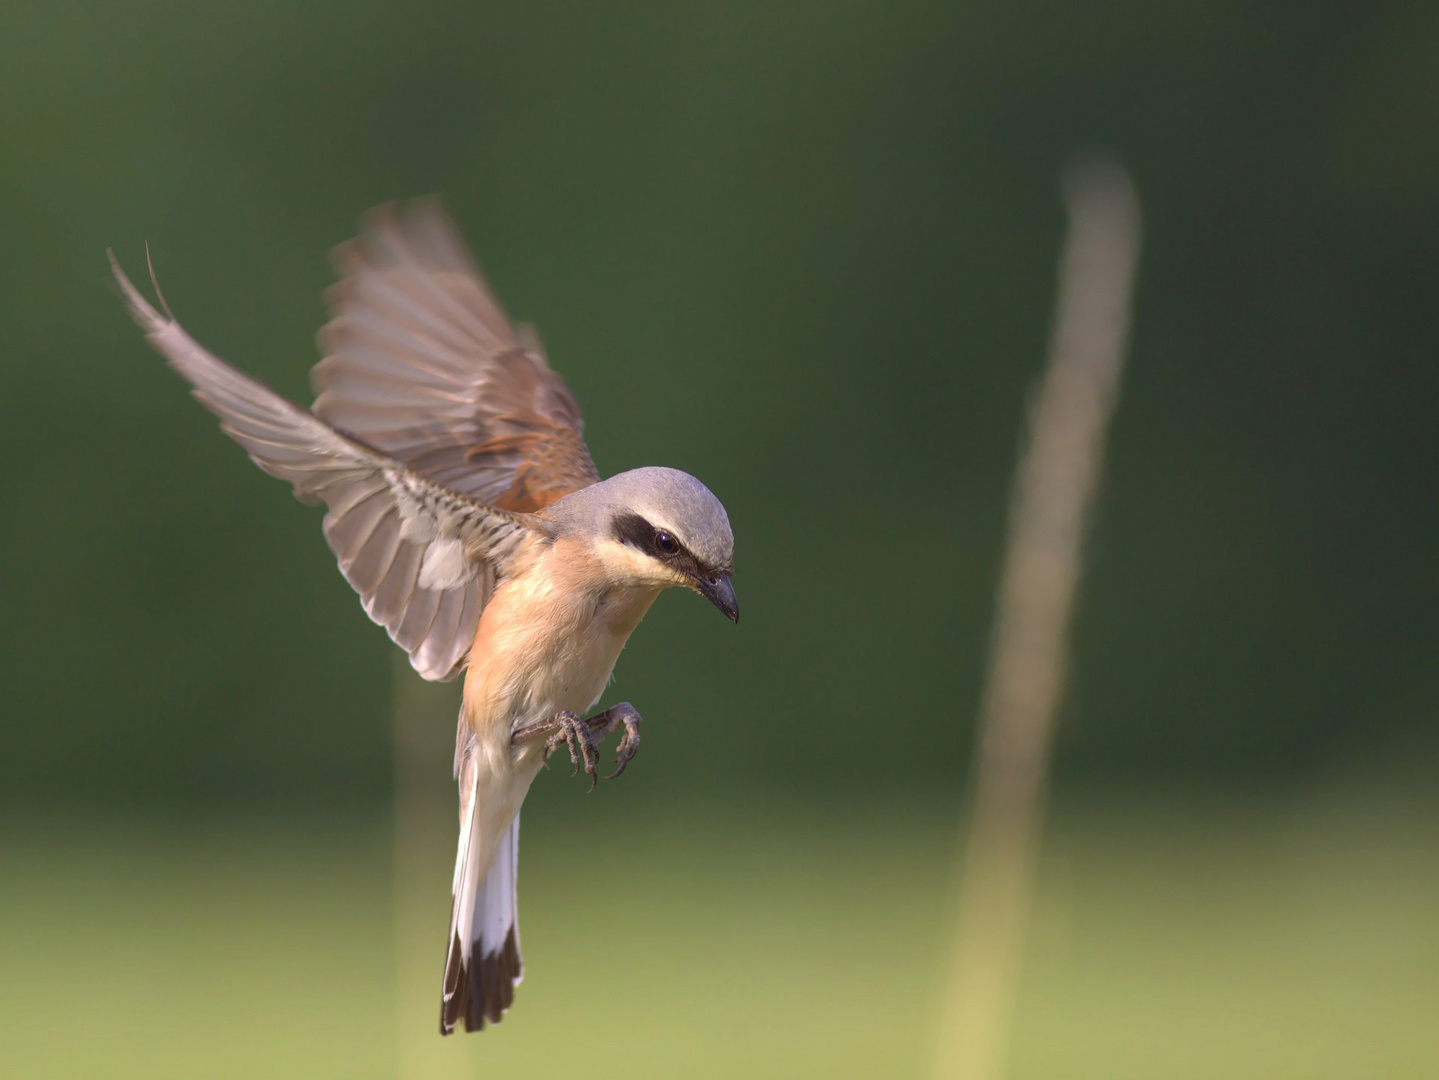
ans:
(602, 723)
(583, 736)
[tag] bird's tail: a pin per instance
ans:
(483, 965)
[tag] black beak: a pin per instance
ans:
(720, 593)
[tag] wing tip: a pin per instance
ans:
(145, 316)
(420, 231)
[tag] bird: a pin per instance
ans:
(465, 509)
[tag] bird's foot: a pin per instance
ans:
(582, 737)
(626, 715)
(571, 731)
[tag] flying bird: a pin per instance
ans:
(464, 508)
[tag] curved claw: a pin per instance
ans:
(580, 742)
(630, 741)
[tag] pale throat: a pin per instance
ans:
(621, 607)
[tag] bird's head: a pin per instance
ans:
(655, 528)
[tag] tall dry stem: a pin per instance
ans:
(1055, 484)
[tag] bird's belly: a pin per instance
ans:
(534, 659)
(578, 683)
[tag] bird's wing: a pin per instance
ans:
(421, 363)
(422, 555)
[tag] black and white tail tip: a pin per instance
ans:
(479, 987)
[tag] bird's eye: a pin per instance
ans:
(666, 543)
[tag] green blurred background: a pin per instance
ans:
(806, 251)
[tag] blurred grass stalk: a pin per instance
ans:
(1054, 486)
(425, 826)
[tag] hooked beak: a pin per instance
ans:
(720, 593)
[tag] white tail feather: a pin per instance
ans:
(483, 965)
(485, 907)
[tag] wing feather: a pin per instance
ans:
(419, 616)
(422, 364)
(387, 603)
(435, 652)
(383, 518)
(438, 429)
(372, 560)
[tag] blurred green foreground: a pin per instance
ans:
(760, 941)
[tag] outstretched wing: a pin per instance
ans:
(422, 364)
(422, 555)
